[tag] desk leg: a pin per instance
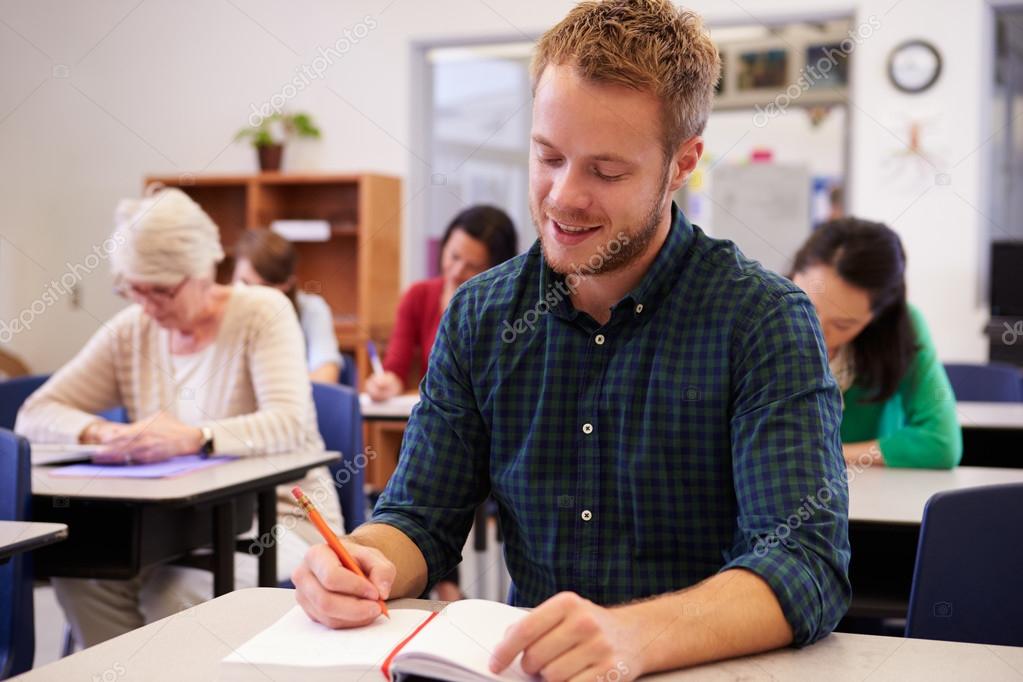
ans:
(267, 520)
(223, 548)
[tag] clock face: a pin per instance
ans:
(914, 66)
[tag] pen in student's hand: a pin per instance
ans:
(332, 540)
(374, 359)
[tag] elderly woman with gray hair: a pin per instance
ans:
(198, 366)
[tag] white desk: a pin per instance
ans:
(398, 407)
(24, 536)
(897, 496)
(384, 430)
(190, 645)
(119, 526)
(992, 433)
(184, 489)
(974, 415)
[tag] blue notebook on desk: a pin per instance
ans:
(176, 466)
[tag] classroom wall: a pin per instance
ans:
(94, 95)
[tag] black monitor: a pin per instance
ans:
(1007, 279)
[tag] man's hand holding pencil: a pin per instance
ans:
(341, 584)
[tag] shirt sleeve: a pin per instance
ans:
(68, 402)
(442, 473)
(401, 347)
(931, 437)
(789, 475)
(318, 327)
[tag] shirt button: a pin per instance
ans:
(639, 308)
(587, 428)
(599, 339)
(587, 515)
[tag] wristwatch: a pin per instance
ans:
(206, 449)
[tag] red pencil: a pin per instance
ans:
(332, 540)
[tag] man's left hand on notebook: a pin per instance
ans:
(571, 638)
(153, 439)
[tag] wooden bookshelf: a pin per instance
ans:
(357, 270)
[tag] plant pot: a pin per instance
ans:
(270, 157)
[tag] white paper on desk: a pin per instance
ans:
(60, 453)
(302, 230)
(297, 648)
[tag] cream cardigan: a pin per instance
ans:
(254, 392)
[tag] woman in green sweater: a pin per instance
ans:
(899, 408)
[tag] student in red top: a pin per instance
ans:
(477, 239)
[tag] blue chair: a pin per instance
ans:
(349, 375)
(14, 392)
(17, 627)
(340, 421)
(966, 582)
(996, 383)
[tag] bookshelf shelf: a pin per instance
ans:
(357, 270)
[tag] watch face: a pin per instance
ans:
(914, 66)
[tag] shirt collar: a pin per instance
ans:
(650, 291)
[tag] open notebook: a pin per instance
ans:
(453, 644)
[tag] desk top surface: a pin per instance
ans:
(398, 407)
(242, 473)
(889, 495)
(24, 536)
(976, 415)
(190, 645)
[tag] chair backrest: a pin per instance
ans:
(13, 393)
(17, 627)
(997, 383)
(969, 567)
(349, 375)
(340, 421)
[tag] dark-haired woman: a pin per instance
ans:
(898, 404)
(476, 240)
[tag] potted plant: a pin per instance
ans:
(268, 137)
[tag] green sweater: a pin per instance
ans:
(917, 426)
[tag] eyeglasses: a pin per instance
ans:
(153, 294)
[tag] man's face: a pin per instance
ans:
(597, 170)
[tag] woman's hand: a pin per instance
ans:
(864, 454)
(101, 431)
(381, 387)
(153, 439)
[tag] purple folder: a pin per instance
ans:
(175, 466)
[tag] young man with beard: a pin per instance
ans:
(651, 434)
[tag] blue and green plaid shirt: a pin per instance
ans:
(697, 431)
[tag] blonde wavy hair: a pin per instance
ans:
(647, 45)
(164, 237)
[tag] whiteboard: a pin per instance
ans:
(764, 208)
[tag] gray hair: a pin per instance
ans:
(164, 237)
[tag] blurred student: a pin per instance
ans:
(898, 407)
(198, 367)
(265, 258)
(476, 240)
